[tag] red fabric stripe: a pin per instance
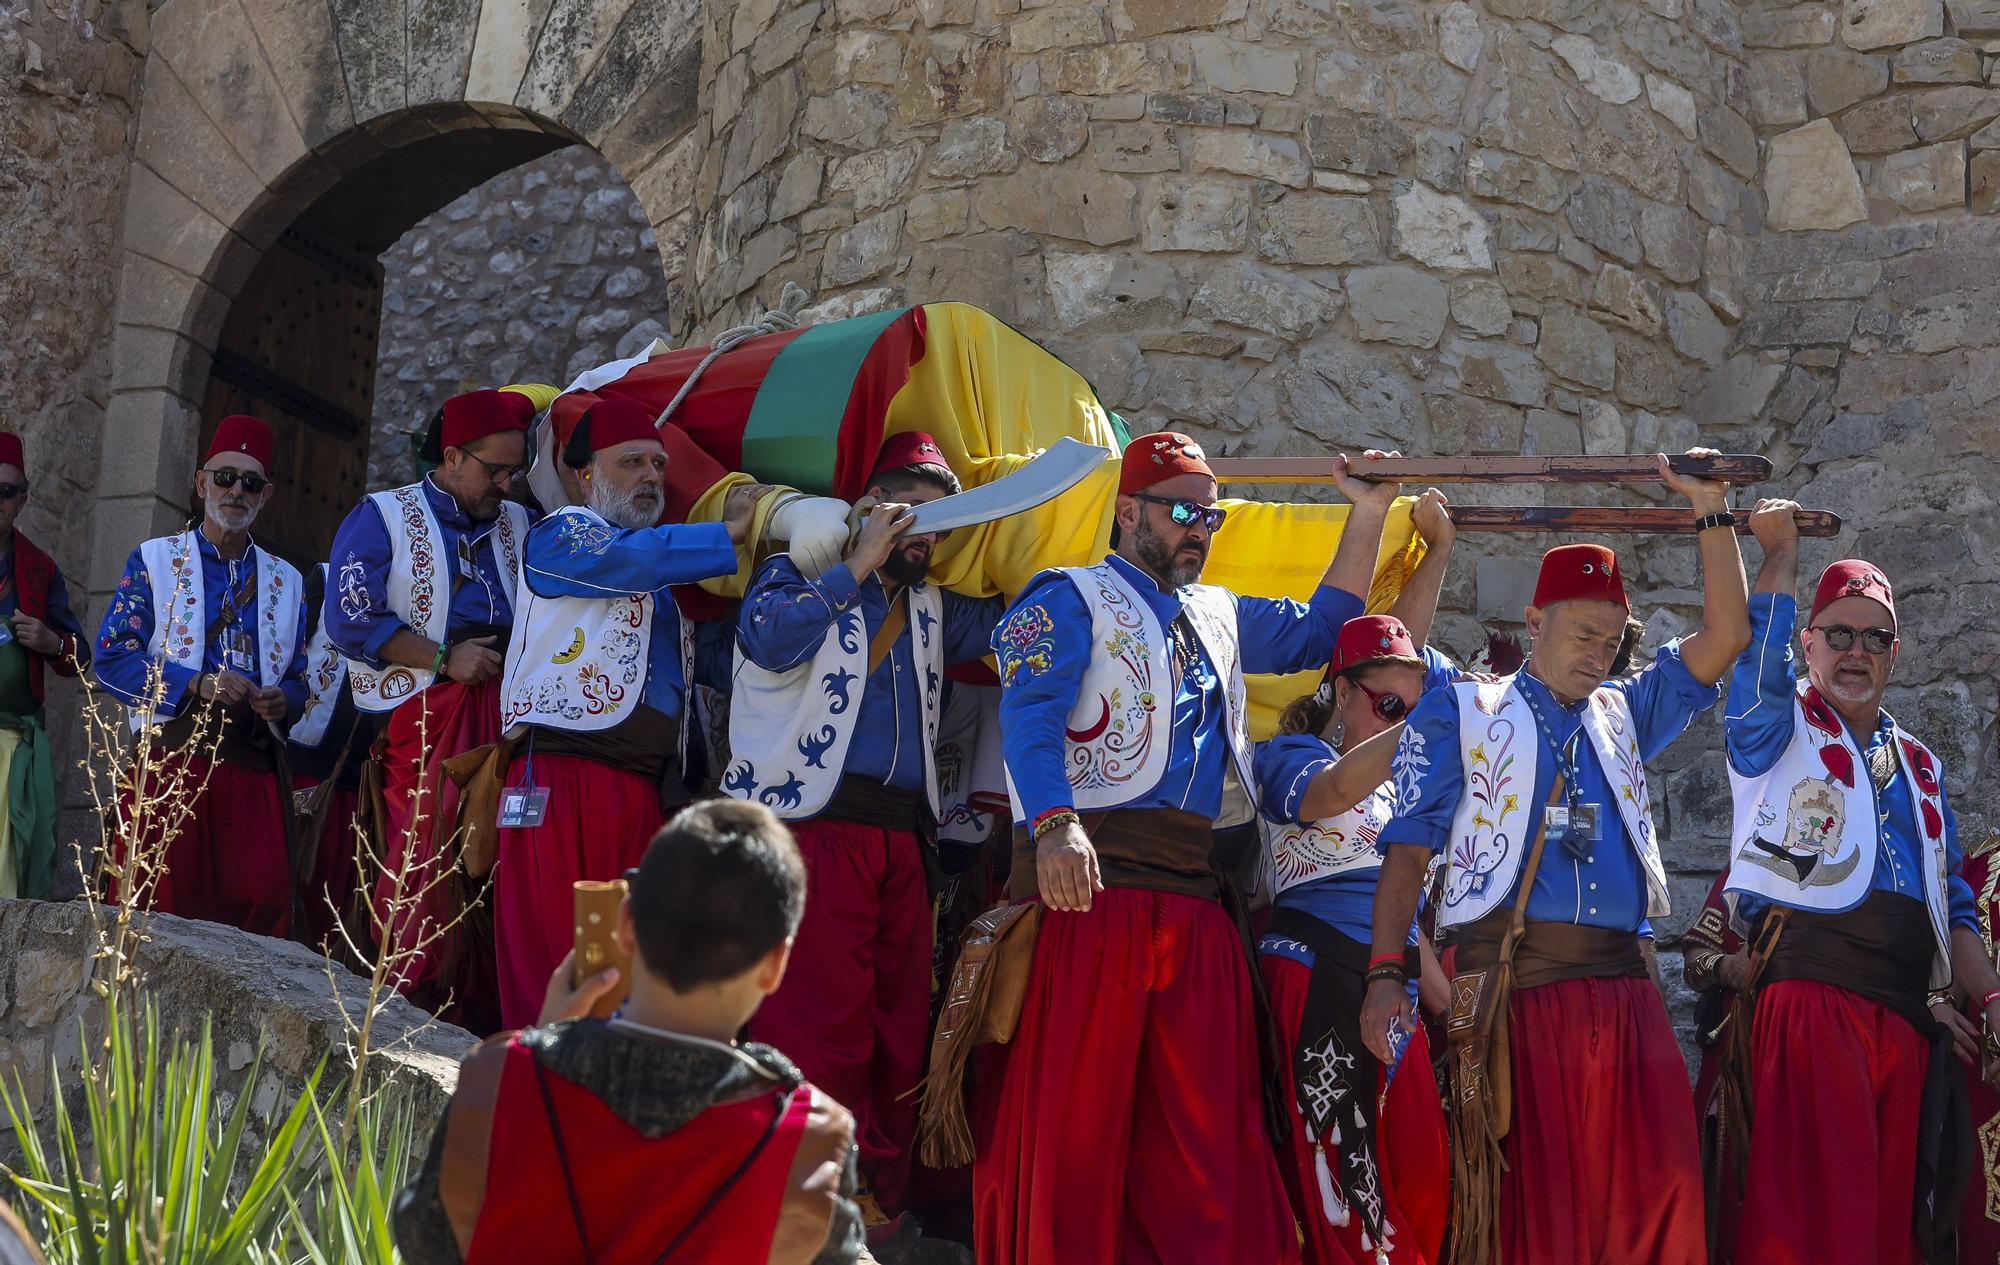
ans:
(885, 372)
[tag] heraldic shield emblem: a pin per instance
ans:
(1808, 845)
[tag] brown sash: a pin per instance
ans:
(1153, 849)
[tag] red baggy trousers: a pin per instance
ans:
(1837, 1084)
(1412, 1150)
(854, 1010)
(1124, 1123)
(596, 826)
(227, 861)
(1602, 1163)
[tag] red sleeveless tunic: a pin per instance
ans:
(635, 1196)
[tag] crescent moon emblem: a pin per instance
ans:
(1102, 723)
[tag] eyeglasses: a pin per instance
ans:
(227, 477)
(1388, 706)
(1186, 513)
(1840, 638)
(9, 491)
(497, 472)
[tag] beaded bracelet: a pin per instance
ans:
(1053, 819)
(1394, 972)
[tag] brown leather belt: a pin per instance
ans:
(1550, 952)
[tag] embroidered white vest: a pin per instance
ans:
(326, 672)
(180, 609)
(789, 732)
(1341, 844)
(580, 662)
(1500, 750)
(1118, 734)
(419, 587)
(1807, 830)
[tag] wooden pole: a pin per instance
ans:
(1741, 468)
(1613, 520)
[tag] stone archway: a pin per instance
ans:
(344, 123)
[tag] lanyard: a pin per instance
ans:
(1565, 751)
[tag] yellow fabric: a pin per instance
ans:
(709, 508)
(10, 744)
(541, 393)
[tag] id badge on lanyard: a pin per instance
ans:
(524, 806)
(1577, 826)
(240, 654)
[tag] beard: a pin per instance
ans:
(906, 569)
(634, 509)
(1164, 559)
(229, 518)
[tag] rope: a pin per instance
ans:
(783, 317)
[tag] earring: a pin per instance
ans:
(1340, 734)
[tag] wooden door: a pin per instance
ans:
(298, 350)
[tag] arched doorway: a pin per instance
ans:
(277, 158)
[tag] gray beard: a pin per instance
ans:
(622, 509)
(215, 520)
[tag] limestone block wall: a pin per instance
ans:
(537, 274)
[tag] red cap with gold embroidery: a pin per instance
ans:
(1852, 577)
(1580, 573)
(910, 448)
(240, 432)
(1153, 458)
(478, 414)
(1371, 637)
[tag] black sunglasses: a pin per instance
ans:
(8, 491)
(1387, 706)
(229, 478)
(1840, 638)
(1186, 513)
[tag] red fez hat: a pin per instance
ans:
(910, 448)
(1371, 637)
(240, 432)
(478, 414)
(1154, 458)
(1851, 577)
(11, 453)
(1580, 573)
(611, 421)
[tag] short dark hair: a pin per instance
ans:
(902, 478)
(721, 885)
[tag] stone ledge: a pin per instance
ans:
(250, 988)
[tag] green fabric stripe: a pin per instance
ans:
(794, 429)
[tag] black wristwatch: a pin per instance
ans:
(1706, 521)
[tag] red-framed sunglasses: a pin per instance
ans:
(1388, 706)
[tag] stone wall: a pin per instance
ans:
(535, 275)
(254, 992)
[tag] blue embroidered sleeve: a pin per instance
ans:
(968, 626)
(1043, 645)
(1285, 766)
(358, 619)
(293, 683)
(1427, 774)
(1290, 636)
(569, 555)
(785, 616)
(1665, 699)
(1758, 723)
(124, 638)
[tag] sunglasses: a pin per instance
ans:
(229, 478)
(1387, 706)
(1840, 638)
(500, 473)
(9, 491)
(1186, 513)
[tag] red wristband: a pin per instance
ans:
(1385, 959)
(1987, 1001)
